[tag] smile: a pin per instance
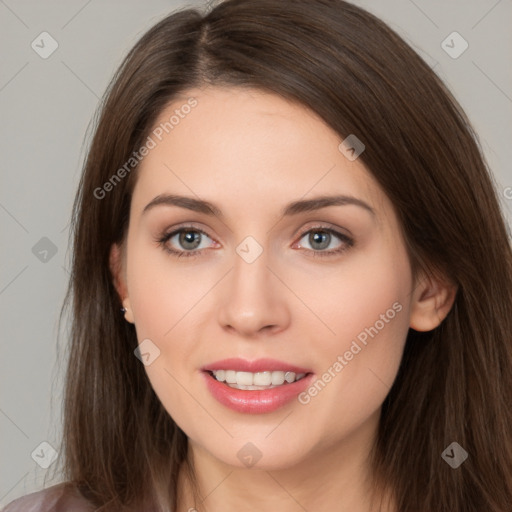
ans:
(255, 387)
(258, 380)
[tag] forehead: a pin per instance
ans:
(248, 149)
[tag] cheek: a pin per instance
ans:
(358, 369)
(159, 293)
(163, 300)
(369, 312)
(366, 298)
(160, 317)
(375, 305)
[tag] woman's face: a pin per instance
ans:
(263, 281)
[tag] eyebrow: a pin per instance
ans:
(293, 208)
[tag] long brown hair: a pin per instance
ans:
(454, 382)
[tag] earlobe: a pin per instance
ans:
(117, 272)
(432, 301)
(128, 315)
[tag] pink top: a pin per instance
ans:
(62, 497)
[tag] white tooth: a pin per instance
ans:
(277, 378)
(254, 381)
(220, 375)
(244, 378)
(262, 378)
(230, 376)
(289, 377)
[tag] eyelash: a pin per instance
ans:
(165, 237)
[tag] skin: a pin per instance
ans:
(251, 153)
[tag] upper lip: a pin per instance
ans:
(258, 365)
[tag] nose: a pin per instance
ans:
(253, 299)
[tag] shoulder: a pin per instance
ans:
(63, 497)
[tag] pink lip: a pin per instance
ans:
(255, 401)
(259, 365)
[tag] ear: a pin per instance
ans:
(117, 269)
(432, 300)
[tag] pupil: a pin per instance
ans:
(187, 238)
(317, 238)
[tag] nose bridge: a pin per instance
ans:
(252, 300)
(250, 267)
(250, 277)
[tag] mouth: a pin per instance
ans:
(255, 387)
(256, 381)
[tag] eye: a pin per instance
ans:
(321, 237)
(187, 237)
(190, 238)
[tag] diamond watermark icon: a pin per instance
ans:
(44, 454)
(454, 455)
(44, 45)
(249, 249)
(147, 352)
(249, 454)
(454, 45)
(351, 147)
(44, 250)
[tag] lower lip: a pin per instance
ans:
(255, 401)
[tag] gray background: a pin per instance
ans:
(46, 106)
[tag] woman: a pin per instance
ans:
(315, 278)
